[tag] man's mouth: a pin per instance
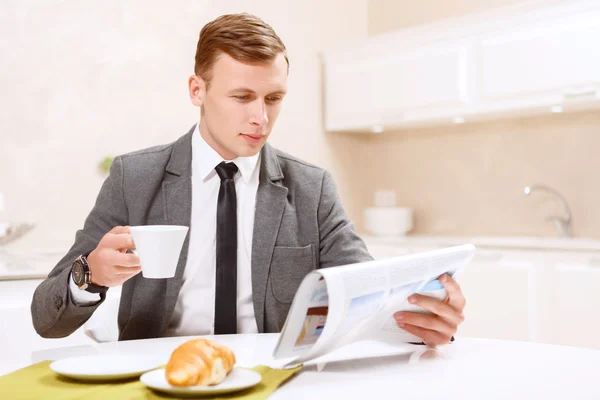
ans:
(252, 136)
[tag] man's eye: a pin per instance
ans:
(242, 97)
(273, 99)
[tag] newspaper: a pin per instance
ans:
(337, 306)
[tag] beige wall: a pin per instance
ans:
(389, 15)
(84, 80)
(469, 179)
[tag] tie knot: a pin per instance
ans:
(226, 170)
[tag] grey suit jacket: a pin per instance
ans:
(299, 226)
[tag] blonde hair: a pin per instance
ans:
(244, 37)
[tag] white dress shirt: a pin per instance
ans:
(194, 310)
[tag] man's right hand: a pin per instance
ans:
(109, 263)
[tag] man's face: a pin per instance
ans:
(240, 107)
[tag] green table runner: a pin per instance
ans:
(38, 381)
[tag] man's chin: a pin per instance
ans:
(250, 150)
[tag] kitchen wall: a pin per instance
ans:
(468, 179)
(389, 15)
(84, 80)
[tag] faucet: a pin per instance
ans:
(562, 224)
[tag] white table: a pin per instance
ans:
(466, 369)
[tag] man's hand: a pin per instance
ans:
(110, 264)
(447, 315)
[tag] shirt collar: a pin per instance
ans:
(206, 159)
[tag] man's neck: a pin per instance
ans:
(208, 138)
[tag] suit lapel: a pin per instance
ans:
(178, 200)
(270, 203)
(149, 315)
(177, 190)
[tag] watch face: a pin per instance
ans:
(78, 273)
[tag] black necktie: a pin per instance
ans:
(226, 274)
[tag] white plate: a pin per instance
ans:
(238, 379)
(105, 367)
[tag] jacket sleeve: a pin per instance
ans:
(339, 243)
(53, 312)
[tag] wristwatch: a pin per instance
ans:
(82, 276)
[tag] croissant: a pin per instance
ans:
(199, 362)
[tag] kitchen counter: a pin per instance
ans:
(508, 242)
(34, 265)
(17, 265)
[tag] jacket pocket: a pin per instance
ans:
(289, 266)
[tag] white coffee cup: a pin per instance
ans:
(159, 248)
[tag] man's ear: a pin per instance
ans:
(197, 89)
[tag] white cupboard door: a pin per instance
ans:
(500, 295)
(553, 57)
(405, 85)
(349, 96)
(576, 302)
(414, 81)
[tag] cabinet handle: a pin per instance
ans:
(578, 92)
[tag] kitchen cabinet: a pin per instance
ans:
(403, 86)
(555, 57)
(348, 105)
(501, 295)
(574, 315)
(470, 68)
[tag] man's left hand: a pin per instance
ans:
(447, 315)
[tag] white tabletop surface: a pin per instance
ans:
(466, 369)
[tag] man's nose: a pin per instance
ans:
(259, 114)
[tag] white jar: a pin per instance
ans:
(388, 221)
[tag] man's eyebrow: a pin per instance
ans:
(248, 90)
(242, 89)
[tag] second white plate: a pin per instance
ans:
(238, 379)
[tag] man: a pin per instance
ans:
(234, 191)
